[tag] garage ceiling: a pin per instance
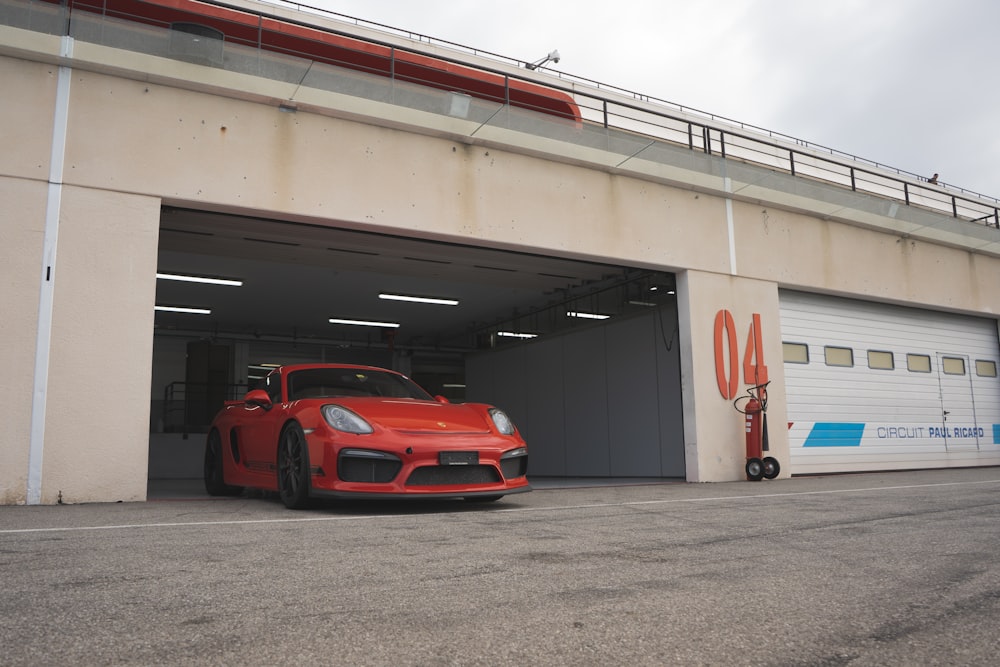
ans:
(298, 276)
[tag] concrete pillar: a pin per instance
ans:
(714, 438)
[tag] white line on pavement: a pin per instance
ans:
(548, 508)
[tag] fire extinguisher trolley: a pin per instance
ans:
(758, 466)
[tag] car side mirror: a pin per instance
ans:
(259, 398)
(441, 399)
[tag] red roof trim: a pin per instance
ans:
(280, 36)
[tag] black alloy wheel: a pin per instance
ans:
(755, 469)
(293, 468)
(215, 479)
(771, 467)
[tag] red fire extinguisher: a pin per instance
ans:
(758, 465)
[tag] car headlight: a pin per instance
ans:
(514, 453)
(502, 421)
(342, 419)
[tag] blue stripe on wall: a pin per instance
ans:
(996, 434)
(836, 434)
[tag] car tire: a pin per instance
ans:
(293, 467)
(215, 477)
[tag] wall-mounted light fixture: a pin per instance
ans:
(459, 104)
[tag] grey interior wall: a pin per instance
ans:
(634, 424)
(597, 402)
(588, 448)
(668, 392)
(548, 404)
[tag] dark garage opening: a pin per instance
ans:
(583, 355)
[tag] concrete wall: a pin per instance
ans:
(714, 438)
(22, 226)
(805, 251)
(142, 130)
(97, 414)
(24, 168)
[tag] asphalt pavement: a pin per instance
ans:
(869, 569)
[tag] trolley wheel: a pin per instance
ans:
(771, 467)
(755, 469)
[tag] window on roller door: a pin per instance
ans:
(986, 368)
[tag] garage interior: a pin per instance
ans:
(582, 355)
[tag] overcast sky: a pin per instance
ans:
(907, 83)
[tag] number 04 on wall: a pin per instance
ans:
(727, 371)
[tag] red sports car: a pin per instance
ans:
(339, 431)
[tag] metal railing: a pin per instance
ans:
(632, 126)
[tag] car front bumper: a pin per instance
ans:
(424, 466)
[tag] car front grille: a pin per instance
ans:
(514, 467)
(453, 475)
(367, 469)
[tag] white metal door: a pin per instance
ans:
(908, 388)
(959, 428)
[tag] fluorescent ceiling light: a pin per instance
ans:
(586, 316)
(453, 385)
(512, 334)
(183, 309)
(419, 299)
(636, 302)
(199, 279)
(365, 323)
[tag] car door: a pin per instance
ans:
(258, 428)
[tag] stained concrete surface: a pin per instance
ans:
(876, 569)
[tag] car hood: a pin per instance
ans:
(414, 416)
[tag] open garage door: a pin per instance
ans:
(238, 294)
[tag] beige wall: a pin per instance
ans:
(29, 101)
(205, 150)
(714, 432)
(97, 416)
(25, 155)
(22, 226)
(132, 143)
(810, 253)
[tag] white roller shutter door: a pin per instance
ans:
(887, 387)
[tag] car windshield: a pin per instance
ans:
(336, 382)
